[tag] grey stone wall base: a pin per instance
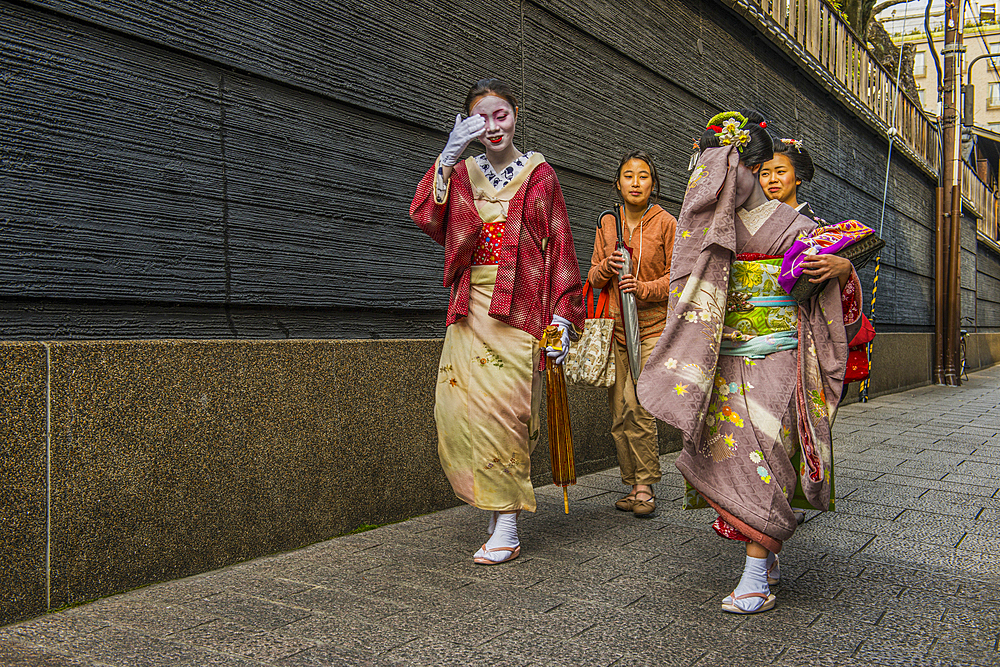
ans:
(159, 459)
(902, 361)
(982, 350)
(170, 458)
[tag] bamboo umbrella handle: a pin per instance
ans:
(560, 429)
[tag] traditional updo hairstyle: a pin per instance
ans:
(757, 151)
(654, 196)
(490, 87)
(799, 157)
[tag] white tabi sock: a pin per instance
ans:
(504, 535)
(754, 580)
(492, 525)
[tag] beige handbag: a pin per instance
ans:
(590, 360)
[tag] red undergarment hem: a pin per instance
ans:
(722, 527)
(760, 538)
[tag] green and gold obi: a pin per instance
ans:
(764, 317)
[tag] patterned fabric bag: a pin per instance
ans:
(590, 360)
(849, 239)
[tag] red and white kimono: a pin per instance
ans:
(489, 384)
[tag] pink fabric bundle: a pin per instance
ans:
(829, 239)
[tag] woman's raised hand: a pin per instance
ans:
(464, 133)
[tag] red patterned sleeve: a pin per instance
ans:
(850, 300)
(566, 289)
(426, 212)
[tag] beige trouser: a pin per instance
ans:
(632, 427)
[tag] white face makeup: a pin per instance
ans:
(500, 119)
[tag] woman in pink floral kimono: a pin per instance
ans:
(748, 375)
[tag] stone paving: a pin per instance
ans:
(905, 572)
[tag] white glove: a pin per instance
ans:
(464, 133)
(558, 356)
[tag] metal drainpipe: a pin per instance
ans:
(939, 286)
(955, 238)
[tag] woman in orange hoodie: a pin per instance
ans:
(649, 231)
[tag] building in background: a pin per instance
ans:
(981, 36)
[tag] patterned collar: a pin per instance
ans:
(508, 174)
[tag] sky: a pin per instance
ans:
(910, 15)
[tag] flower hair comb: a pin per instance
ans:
(729, 128)
(794, 143)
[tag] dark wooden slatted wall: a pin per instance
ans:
(231, 168)
(987, 290)
(969, 273)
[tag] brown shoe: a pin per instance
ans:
(626, 503)
(644, 507)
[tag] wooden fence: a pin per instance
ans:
(983, 202)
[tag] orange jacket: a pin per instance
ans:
(655, 237)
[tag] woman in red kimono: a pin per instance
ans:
(512, 269)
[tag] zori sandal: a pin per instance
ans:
(774, 572)
(482, 560)
(625, 504)
(731, 607)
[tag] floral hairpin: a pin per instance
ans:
(794, 143)
(728, 127)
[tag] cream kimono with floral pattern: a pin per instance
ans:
(489, 389)
(486, 408)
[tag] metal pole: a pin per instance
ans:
(939, 282)
(946, 257)
(976, 60)
(955, 242)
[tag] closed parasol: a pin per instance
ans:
(630, 313)
(560, 432)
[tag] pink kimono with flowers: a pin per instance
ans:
(744, 418)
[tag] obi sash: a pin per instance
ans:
(761, 318)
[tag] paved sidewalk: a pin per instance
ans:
(904, 573)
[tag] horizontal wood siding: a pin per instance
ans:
(242, 169)
(987, 289)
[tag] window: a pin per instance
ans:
(993, 101)
(919, 64)
(921, 96)
(988, 13)
(994, 47)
